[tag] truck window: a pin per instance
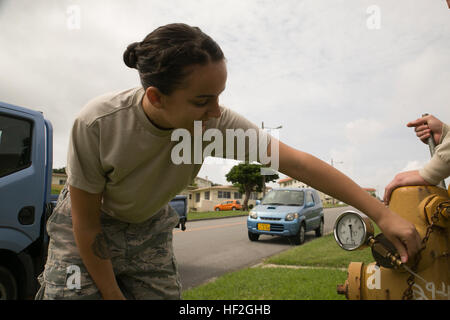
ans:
(15, 144)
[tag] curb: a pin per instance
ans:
(285, 266)
(218, 218)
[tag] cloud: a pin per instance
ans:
(340, 90)
(362, 131)
(413, 165)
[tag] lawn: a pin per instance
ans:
(321, 252)
(272, 284)
(56, 188)
(215, 214)
(323, 266)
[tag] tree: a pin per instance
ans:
(61, 170)
(247, 177)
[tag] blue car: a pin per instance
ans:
(288, 212)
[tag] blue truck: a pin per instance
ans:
(26, 202)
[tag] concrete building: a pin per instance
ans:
(59, 179)
(204, 199)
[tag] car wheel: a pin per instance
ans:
(299, 238)
(8, 285)
(253, 236)
(234, 208)
(217, 209)
(319, 230)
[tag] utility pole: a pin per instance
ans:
(332, 164)
(263, 176)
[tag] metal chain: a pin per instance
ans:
(408, 294)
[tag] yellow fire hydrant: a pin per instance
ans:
(428, 208)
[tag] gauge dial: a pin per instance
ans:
(352, 231)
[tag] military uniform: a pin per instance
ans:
(141, 255)
(114, 150)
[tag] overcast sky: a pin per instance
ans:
(342, 77)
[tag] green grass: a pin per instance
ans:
(323, 255)
(321, 252)
(329, 205)
(56, 188)
(215, 215)
(272, 284)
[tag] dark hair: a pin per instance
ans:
(162, 57)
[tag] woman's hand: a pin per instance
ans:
(401, 233)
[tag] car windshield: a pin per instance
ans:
(284, 198)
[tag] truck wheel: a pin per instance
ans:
(217, 209)
(319, 230)
(299, 238)
(253, 236)
(8, 285)
(234, 208)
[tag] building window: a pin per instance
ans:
(224, 194)
(238, 195)
(206, 195)
(197, 197)
(190, 196)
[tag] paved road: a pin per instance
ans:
(210, 248)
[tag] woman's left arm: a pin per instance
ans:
(321, 176)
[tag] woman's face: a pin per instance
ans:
(198, 99)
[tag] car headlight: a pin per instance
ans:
(291, 216)
(253, 215)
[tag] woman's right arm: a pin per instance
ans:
(91, 242)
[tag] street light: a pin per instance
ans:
(262, 127)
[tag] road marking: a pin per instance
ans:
(211, 227)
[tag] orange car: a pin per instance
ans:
(228, 205)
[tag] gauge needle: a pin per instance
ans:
(351, 236)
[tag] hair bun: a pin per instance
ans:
(129, 56)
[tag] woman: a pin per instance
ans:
(113, 225)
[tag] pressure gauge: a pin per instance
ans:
(352, 230)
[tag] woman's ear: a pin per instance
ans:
(155, 97)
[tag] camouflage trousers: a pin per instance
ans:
(141, 255)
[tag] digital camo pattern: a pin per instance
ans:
(141, 255)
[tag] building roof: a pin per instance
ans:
(284, 180)
(227, 187)
(204, 179)
(59, 175)
(230, 187)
